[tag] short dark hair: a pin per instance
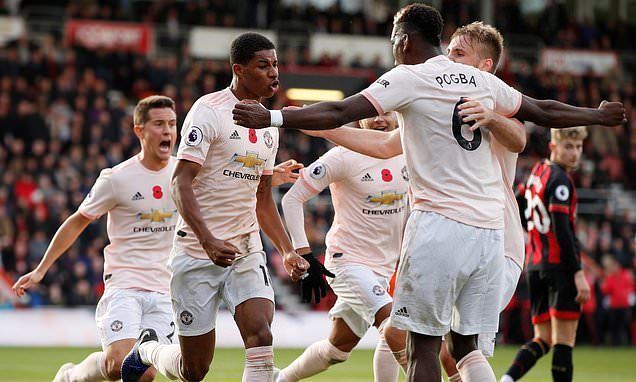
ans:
(245, 45)
(422, 19)
(140, 115)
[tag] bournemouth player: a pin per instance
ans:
(480, 46)
(222, 188)
(141, 224)
(555, 279)
(450, 273)
(363, 245)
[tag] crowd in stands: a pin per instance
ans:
(554, 23)
(65, 113)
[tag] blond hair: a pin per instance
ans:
(486, 36)
(140, 115)
(578, 133)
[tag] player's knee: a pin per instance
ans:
(149, 375)
(195, 373)
(395, 338)
(459, 346)
(112, 367)
(260, 337)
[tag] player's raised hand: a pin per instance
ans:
(221, 252)
(295, 265)
(475, 111)
(27, 281)
(314, 283)
(612, 113)
(284, 172)
(251, 114)
(582, 288)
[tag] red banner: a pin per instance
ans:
(110, 35)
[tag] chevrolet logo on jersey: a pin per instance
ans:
(250, 160)
(155, 216)
(385, 198)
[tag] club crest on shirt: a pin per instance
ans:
(193, 136)
(317, 170)
(405, 174)
(269, 141)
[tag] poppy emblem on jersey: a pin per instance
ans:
(405, 174)
(155, 216)
(249, 160)
(386, 175)
(252, 136)
(317, 171)
(385, 198)
(269, 141)
(562, 193)
(116, 326)
(157, 192)
(378, 290)
(186, 317)
(194, 136)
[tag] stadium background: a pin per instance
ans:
(71, 71)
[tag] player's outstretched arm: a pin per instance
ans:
(377, 144)
(65, 236)
(555, 114)
(270, 223)
(221, 252)
(509, 132)
(319, 116)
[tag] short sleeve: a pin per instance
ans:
(560, 198)
(507, 99)
(390, 91)
(328, 169)
(269, 163)
(199, 130)
(101, 198)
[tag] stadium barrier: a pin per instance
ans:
(76, 327)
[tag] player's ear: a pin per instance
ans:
(237, 70)
(139, 131)
(487, 65)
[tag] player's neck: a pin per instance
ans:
(419, 56)
(150, 162)
(241, 93)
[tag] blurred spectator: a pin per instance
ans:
(618, 291)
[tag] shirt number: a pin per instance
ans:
(457, 130)
(536, 213)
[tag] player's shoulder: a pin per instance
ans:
(121, 170)
(211, 102)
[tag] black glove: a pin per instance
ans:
(313, 280)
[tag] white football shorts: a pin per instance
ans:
(361, 293)
(198, 286)
(486, 342)
(450, 277)
(123, 313)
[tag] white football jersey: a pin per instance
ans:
(370, 200)
(233, 159)
(453, 172)
(140, 226)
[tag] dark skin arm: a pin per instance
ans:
(319, 116)
(330, 115)
(270, 222)
(557, 114)
(221, 252)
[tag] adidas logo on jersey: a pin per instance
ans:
(367, 178)
(235, 135)
(402, 312)
(137, 196)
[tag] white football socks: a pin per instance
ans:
(259, 364)
(316, 358)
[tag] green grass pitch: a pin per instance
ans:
(590, 364)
